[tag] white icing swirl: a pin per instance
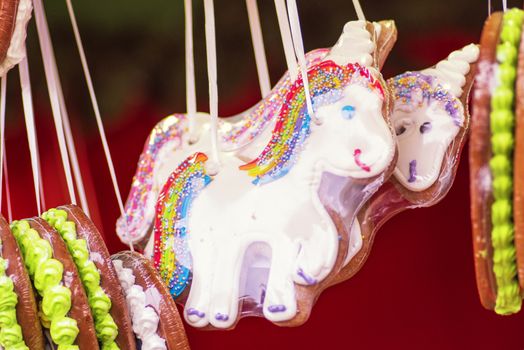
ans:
(16, 50)
(136, 298)
(355, 45)
(154, 342)
(451, 72)
(145, 318)
(126, 278)
(145, 322)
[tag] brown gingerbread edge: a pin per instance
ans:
(26, 309)
(518, 168)
(8, 10)
(86, 229)
(479, 156)
(170, 326)
(80, 310)
(386, 40)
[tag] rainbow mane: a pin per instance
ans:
(327, 81)
(172, 258)
(414, 89)
(262, 114)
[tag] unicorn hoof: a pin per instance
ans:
(196, 317)
(194, 312)
(221, 317)
(276, 308)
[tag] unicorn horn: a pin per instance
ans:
(451, 72)
(355, 45)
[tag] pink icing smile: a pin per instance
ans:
(361, 164)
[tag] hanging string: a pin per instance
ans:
(504, 5)
(48, 58)
(96, 110)
(3, 90)
(211, 51)
(298, 44)
(27, 102)
(489, 8)
(358, 10)
(7, 189)
(287, 42)
(258, 46)
(41, 181)
(77, 174)
(190, 72)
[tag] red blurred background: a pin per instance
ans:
(417, 289)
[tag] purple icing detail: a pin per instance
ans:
(308, 279)
(221, 317)
(263, 294)
(425, 127)
(195, 312)
(276, 308)
(412, 171)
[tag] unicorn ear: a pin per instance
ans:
(451, 72)
(355, 45)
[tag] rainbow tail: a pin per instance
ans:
(171, 251)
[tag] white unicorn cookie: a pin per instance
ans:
(264, 233)
(170, 143)
(431, 122)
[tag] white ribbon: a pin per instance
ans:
(299, 52)
(96, 110)
(190, 71)
(27, 102)
(7, 189)
(211, 52)
(258, 46)
(3, 88)
(358, 10)
(287, 41)
(48, 59)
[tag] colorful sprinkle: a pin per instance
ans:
(416, 89)
(171, 252)
(327, 81)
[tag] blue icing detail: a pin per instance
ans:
(181, 281)
(348, 112)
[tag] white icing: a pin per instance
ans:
(231, 214)
(154, 342)
(145, 322)
(16, 51)
(135, 298)
(143, 313)
(126, 278)
(353, 46)
(451, 71)
(427, 149)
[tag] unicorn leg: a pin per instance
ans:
(280, 303)
(225, 289)
(196, 310)
(316, 256)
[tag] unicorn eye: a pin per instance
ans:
(425, 127)
(400, 130)
(348, 112)
(402, 125)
